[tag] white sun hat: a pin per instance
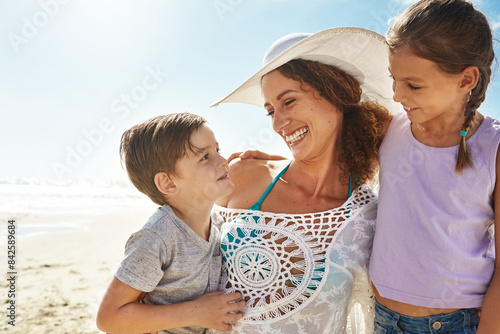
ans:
(359, 52)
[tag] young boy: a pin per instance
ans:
(173, 263)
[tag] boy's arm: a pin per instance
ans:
(119, 311)
(490, 320)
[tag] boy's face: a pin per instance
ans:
(203, 175)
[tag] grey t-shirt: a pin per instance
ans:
(170, 262)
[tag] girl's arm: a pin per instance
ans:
(119, 311)
(490, 313)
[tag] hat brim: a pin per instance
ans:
(362, 53)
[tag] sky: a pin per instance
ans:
(75, 74)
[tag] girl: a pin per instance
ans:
(433, 256)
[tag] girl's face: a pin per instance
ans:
(308, 123)
(427, 93)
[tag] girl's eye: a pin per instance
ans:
(205, 157)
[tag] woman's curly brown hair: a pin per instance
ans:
(364, 123)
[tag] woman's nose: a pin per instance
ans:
(280, 120)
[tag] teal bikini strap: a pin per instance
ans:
(350, 186)
(257, 205)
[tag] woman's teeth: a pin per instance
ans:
(297, 135)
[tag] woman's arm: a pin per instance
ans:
(490, 313)
(119, 311)
(254, 154)
(243, 174)
(250, 178)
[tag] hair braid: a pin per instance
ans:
(464, 158)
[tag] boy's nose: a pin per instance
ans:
(222, 161)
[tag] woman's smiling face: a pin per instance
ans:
(307, 122)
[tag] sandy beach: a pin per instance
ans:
(63, 273)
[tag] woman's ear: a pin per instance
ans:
(165, 184)
(469, 78)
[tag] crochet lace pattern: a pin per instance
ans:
(279, 261)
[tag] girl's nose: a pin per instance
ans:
(397, 94)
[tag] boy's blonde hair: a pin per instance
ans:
(156, 146)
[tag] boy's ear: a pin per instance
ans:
(165, 184)
(469, 78)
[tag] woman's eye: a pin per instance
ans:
(289, 102)
(270, 112)
(413, 87)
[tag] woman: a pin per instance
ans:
(298, 233)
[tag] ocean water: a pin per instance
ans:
(21, 199)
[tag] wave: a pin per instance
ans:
(23, 195)
(32, 181)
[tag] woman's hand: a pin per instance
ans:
(254, 154)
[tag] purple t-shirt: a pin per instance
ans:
(433, 243)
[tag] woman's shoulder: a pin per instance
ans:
(250, 177)
(249, 169)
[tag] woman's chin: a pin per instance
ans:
(298, 154)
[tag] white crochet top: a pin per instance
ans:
(301, 273)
